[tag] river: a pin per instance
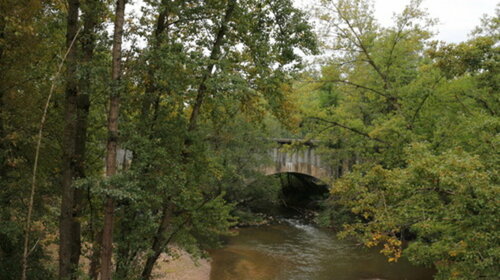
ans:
(295, 251)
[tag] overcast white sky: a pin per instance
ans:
(457, 18)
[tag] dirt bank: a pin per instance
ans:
(181, 268)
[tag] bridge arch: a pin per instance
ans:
(302, 161)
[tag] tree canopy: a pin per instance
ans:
(416, 120)
(182, 100)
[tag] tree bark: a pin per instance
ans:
(88, 41)
(75, 138)
(3, 146)
(111, 168)
(67, 256)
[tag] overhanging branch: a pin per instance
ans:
(378, 92)
(357, 131)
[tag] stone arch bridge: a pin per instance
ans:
(304, 161)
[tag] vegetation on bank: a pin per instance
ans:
(417, 123)
(412, 124)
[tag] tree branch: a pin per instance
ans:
(214, 56)
(361, 45)
(483, 103)
(423, 101)
(378, 92)
(334, 123)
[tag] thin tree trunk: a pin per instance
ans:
(150, 103)
(111, 168)
(151, 92)
(214, 56)
(3, 149)
(26, 252)
(67, 267)
(160, 241)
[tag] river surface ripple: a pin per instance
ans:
(296, 251)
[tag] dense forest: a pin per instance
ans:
(123, 134)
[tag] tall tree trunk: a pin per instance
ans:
(88, 40)
(149, 111)
(3, 146)
(67, 256)
(2, 38)
(111, 168)
(160, 240)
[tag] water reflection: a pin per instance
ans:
(295, 251)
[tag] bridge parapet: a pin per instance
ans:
(305, 161)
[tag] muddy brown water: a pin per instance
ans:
(296, 251)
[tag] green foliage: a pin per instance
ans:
(183, 175)
(445, 201)
(416, 123)
(192, 173)
(30, 45)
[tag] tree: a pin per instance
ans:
(192, 81)
(208, 70)
(69, 242)
(418, 120)
(368, 78)
(28, 45)
(442, 202)
(77, 103)
(111, 168)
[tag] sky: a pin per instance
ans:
(457, 18)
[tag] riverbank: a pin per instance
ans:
(182, 267)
